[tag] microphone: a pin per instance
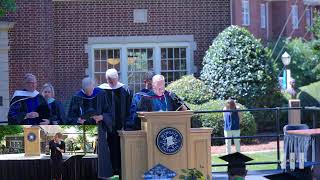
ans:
(179, 101)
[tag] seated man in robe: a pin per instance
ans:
(27, 106)
(159, 99)
(90, 106)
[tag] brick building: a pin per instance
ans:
(267, 18)
(62, 41)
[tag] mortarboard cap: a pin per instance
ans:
(236, 163)
(89, 113)
(281, 176)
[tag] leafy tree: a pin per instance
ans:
(7, 6)
(84, 129)
(315, 28)
(305, 63)
(237, 65)
(10, 130)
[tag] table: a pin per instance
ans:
(299, 142)
(18, 166)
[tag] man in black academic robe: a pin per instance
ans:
(27, 106)
(134, 122)
(120, 98)
(90, 106)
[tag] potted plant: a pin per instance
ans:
(192, 174)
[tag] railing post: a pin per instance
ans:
(278, 135)
(314, 120)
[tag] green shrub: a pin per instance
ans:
(215, 120)
(305, 61)
(237, 65)
(190, 89)
(309, 95)
(7, 6)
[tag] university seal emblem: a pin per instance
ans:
(31, 137)
(169, 141)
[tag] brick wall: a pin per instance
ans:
(49, 37)
(31, 42)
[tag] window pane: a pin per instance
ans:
(163, 53)
(96, 54)
(97, 66)
(177, 64)
(108, 58)
(150, 53)
(140, 60)
(103, 54)
(170, 53)
(183, 52)
(170, 65)
(176, 52)
(164, 65)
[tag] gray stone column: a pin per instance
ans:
(4, 69)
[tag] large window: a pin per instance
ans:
(308, 18)
(295, 18)
(263, 16)
(105, 59)
(245, 13)
(140, 60)
(133, 56)
(173, 63)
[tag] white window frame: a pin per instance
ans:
(245, 13)
(263, 14)
(308, 17)
(294, 17)
(156, 46)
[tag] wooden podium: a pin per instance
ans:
(166, 138)
(32, 141)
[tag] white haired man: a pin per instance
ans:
(90, 106)
(159, 99)
(120, 98)
(28, 106)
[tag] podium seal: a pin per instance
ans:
(169, 141)
(31, 137)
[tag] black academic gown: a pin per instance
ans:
(57, 112)
(80, 104)
(120, 98)
(24, 102)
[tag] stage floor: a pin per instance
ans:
(19, 166)
(42, 156)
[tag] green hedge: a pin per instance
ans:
(309, 95)
(215, 120)
(191, 90)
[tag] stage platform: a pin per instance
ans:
(18, 167)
